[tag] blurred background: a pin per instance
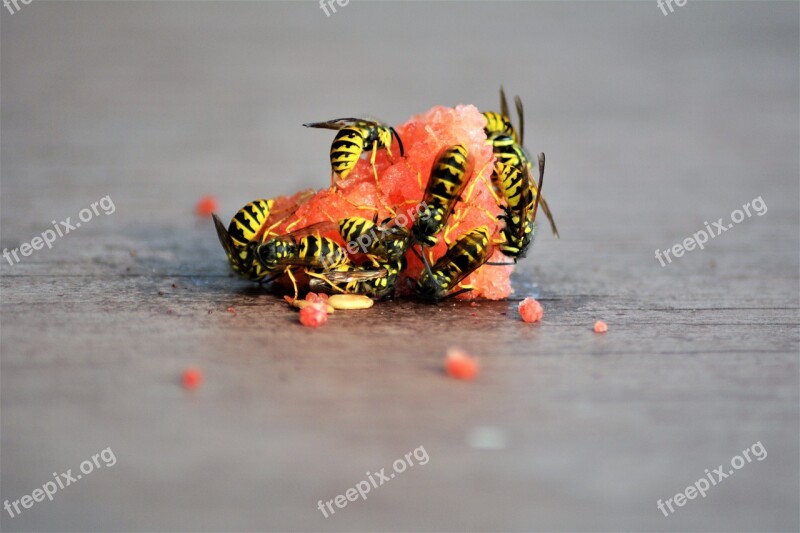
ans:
(652, 126)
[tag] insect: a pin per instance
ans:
(314, 251)
(246, 226)
(385, 240)
(519, 215)
(508, 144)
(377, 280)
(354, 137)
(302, 248)
(451, 171)
(465, 255)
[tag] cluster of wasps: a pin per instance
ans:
(258, 254)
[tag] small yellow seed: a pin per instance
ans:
(350, 301)
(305, 303)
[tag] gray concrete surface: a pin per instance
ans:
(652, 125)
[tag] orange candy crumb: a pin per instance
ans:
(206, 205)
(460, 365)
(600, 327)
(191, 378)
(530, 310)
(314, 315)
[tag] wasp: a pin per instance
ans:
(508, 144)
(519, 215)
(377, 279)
(465, 255)
(302, 248)
(246, 226)
(384, 240)
(313, 251)
(451, 171)
(354, 137)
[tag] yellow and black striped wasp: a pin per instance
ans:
(354, 137)
(306, 248)
(387, 240)
(377, 279)
(451, 171)
(519, 215)
(466, 254)
(508, 144)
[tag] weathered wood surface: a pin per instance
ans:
(652, 126)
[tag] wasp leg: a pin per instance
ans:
(372, 162)
(294, 281)
(425, 263)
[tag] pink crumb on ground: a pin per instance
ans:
(191, 378)
(206, 205)
(314, 315)
(600, 327)
(460, 365)
(530, 310)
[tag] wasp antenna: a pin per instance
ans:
(503, 102)
(539, 187)
(521, 116)
(399, 141)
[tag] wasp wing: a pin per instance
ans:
(338, 123)
(521, 116)
(226, 241)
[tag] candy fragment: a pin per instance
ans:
(460, 365)
(530, 310)
(599, 326)
(206, 205)
(191, 378)
(313, 315)
(350, 301)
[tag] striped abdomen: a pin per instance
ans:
(346, 150)
(497, 123)
(449, 177)
(248, 221)
(320, 252)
